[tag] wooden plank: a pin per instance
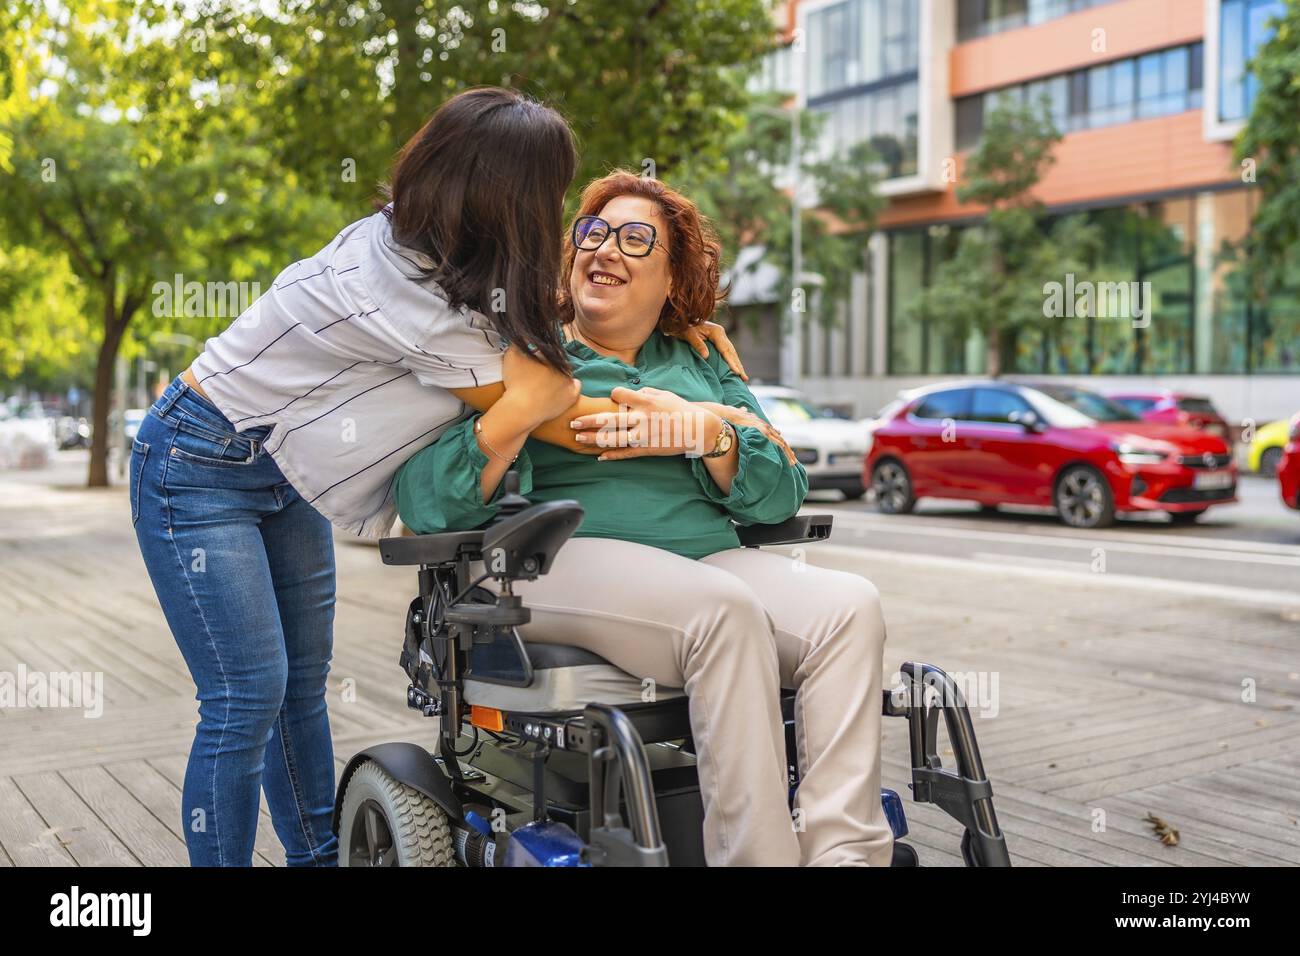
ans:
(152, 790)
(87, 838)
(152, 843)
(1192, 820)
(1046, 828)
(1240, 816)
(27, 839)
(1131, 771)
(1140, 742)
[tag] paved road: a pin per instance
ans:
(1254, 544)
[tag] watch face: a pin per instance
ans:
(726, 438)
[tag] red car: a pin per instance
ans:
(1173, 408)
(1003, 443)
(1288, 469)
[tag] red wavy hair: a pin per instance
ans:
(694, 253)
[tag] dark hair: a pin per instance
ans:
(480, 191)
(694, 253)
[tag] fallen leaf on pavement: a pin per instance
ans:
(1168, 835)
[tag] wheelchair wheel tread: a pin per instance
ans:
(419, 827)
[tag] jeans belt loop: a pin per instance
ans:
(170, 400)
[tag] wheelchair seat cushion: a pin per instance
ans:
(565, 678)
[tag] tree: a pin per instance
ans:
(994, 283)
(642, 81)
(738, 191)
(127, 155)
(1269, 148)
(222, 140)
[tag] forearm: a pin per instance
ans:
(553, 432)
(756, 484)
(723, 468)
(502, 431)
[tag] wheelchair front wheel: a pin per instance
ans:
(386, 823)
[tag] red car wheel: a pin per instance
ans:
(892, 487)
(1083, 498)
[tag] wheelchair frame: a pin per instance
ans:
(442, 631)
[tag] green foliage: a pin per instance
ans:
(638, 80)
(1271, 139)
(1013, 154)
(222, 140)
(126, 157)
(993, 283)
(219, 141)
(45, 335)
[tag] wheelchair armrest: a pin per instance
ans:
(524, 544)
(794, 530)
(429, 548)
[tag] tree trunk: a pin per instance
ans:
(114, 327)
(993, 352)
(410, 110)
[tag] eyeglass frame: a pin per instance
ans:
(617, 233)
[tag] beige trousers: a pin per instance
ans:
(731, 629)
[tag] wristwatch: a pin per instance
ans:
(726, 438)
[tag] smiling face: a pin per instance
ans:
(618, 298)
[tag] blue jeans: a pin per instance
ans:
(244, 571)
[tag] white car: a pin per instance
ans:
(26, 436)
(831, 449)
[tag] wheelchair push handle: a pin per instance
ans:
(967, 795)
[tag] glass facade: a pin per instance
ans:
(1155, 84)
(775, 73)
(918, 347)
(979, 18)
(1186, 250)
(863, 78)
(1243, 27)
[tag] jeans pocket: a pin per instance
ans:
(202, 447)
(139, 455)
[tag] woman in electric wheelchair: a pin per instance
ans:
(655, 580)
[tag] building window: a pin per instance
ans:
(863, 79)
(885, 118)
(834, 66)
(915, 347)
(1155, 84)
(900, 34)
(774, 73)
(859, 42)
(981, 18)
(969, 117)
(1185, 255)
(906, 279)
(1244, 25)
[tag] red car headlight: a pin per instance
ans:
(1131, 454)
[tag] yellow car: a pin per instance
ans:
(1266, 449)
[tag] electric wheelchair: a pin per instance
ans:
(548, 755)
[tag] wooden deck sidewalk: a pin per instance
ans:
(1114, 703)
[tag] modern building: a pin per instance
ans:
(1148, 95)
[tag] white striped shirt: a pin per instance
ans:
(349, 357)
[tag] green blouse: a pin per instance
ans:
(666, 502)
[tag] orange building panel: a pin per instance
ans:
(1067, 43)
(1131, 159)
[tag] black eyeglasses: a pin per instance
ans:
(635, 239)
